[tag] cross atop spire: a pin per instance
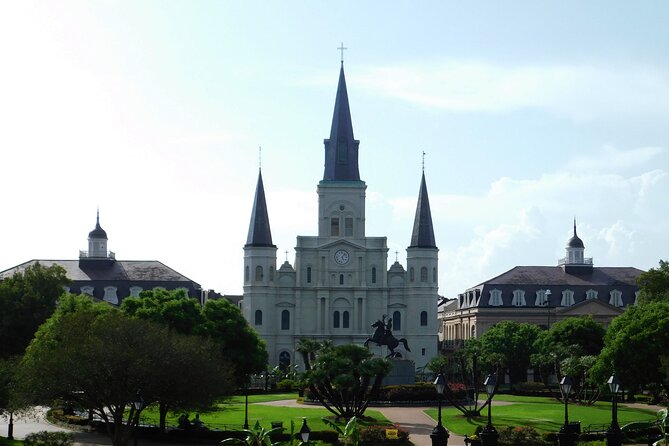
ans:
(423, 161)
(260, 157)
(342, 48)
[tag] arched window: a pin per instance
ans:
(284, 360)
(246, 274)
(423, 274)
(345, 319)
(308, 274)
(412, 275)
(285, 320)
(271, 273)
(397, 320)
(434, 275)
(341, 279)
(335, 320)
(258, 317)
(373, 274)
(258, 273)
(423, 318)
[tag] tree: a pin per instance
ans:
(93, 356)
(635, 346)
(509, 345)
(219, 320)
(27, 299)
(569, 348)
(345, 377)
(654, 284)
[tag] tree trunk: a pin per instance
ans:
(163, 408)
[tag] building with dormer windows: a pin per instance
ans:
(340, 283)
(540, 295)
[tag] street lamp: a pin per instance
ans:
(439, 434)
(139, 405)
(246, 405)
(566, 437)
(489, 434)
(305, 431)
(614, 436)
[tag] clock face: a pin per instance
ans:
(341, 257)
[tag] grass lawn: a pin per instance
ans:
(231, 413)
(5, 442)
(543, 414)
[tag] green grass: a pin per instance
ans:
(231, 412)
(5, 442)
(543, 414)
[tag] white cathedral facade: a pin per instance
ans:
(340, 283)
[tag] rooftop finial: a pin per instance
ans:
(574, 226)
(397, 253)
(423, 160)
(286, 255)
(97, 217)
(259, 157)
(341, 49)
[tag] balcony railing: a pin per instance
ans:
(84, 255)
(565, 261)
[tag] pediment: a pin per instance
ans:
(341, 243)
(593, 307)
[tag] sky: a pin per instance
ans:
(530, 114)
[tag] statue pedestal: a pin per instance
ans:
(402, 372)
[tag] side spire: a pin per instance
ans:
(341, 149)
(259, 230)
(423, 231)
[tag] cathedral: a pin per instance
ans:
(340, 283)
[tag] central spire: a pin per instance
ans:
(259, 230)
(423, 231)
(341, 150)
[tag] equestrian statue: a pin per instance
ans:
(383, 336)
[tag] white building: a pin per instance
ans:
(340, 283)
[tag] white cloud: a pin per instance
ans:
(576, 91)
(610, 158)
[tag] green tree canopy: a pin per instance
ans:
(27, 299)
(96, 357)
(654, 284)
(218, 320)
(635, 345)
(509, 345)
(345, 377)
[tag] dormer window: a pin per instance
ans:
(495, 298)
(518, 298)
(567, 298)
(616, 298)
(542, 298)
(591, 294)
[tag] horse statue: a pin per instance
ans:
(383, 336)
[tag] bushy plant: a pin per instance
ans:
(376, 436)
(520, 436)
(44, 438)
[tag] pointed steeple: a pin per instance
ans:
(259, 231)
(341, 150)
(423, 232)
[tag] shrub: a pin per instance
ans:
(520, 436)
(286, 384)
(529, 387)
(44, 438)
(376, 436)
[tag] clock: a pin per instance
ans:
(341, 257)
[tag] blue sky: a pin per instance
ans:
(530, 113)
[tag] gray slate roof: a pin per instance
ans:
(555, 275)
(423, 231)
(259, 230)
(341, 150)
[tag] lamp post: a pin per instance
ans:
(246, 405)
(439, 434)
(139, 405)
(566, 437)
(489, 434)
(305, 431)
(614, 436)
